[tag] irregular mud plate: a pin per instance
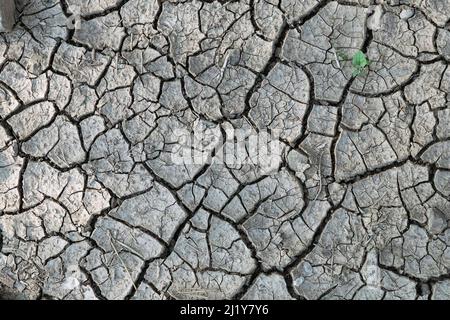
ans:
(7, 19)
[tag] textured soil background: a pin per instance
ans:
(93, 207)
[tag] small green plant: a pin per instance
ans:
(359, 61)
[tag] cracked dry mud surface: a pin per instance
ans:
(357, 207)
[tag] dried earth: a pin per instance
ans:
(355, 206)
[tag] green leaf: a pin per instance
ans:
(360, 60)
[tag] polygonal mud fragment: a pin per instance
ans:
(276, 225)
(101, 33)
(441, 290)
(423, 128)
(316, 281)
(268, 18)
(172, 96)
(437, 153)
(89, 7)
(114, 274)
(427, 87)
(32, 119)
(265, 287)
(7, 16)
(138, 11)
(176, 151)
(322, 120)
(384, 284)
(228, 250)
(205, 264)
(424, 258)
(438, 11)
(8, 102)
(41, 181)
(395, 32)
(92, 202)
(33, 224)
(111, 162)
(281, 102)
(443, 130)
(66, 280)
(218, 247)
(442, 182)
(179, 22)
(112, 235)
(51, 247)
(60, 90)
(191, 284)
(362, 151)
(27, 89)
(424, 31)
(204, 100)
(79, 64)
(60, 142)
(82, 101)
(443, 43)
(119, 75)
(115, 106)
(220, 185)
(294, 10)
(91, 128)
(155, 210)
(10, 171)
(145, 292)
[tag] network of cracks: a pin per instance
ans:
(354, 204)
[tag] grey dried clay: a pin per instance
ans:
(7, 12)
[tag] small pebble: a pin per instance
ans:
(307, 268)
(406, 14)
(299, 281)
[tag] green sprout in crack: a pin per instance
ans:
(360, 62)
